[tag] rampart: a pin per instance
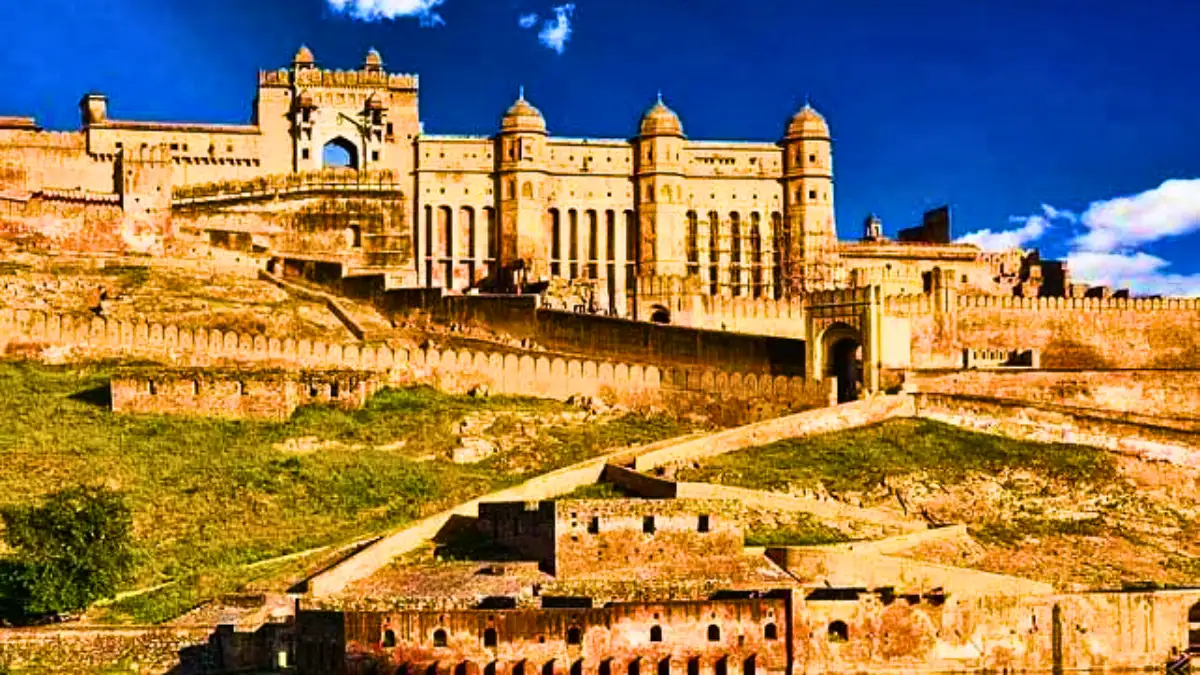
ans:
(512, 372)
(1159, 397)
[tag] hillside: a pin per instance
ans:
(1069, 515)
(211, 496)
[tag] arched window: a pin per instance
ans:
(770, 632)
(839, 631)
(664, 667)
(389, 638)
(439, 638)
(635, 667)
(693, 667)
(574, 635)
(548, 667)
(714, 633)
(656, 633)
(693, 241)
(750, 665)
(735, 255)
(577, 668)
(605, 667)
(489, 638)
(340, 153)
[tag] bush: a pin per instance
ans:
(70, 551)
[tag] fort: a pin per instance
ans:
(647, 272)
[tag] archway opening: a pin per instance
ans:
(846, 367)
(339, 153)
(839, 631)
(660, 314)
(1194, 628)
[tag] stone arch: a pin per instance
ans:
(660, 314)
(838, 631)
(340, 152)
(841, 354)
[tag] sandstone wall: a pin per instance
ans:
(1045, 424)
(84, 650)
(526, 374)
(230, 395)
(1076, 333)
(1167, 397)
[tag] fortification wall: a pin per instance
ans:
(1164, 397)
(32, 159)
(1076, 333)
(1044, 424)
(528, 374)
(72, 220)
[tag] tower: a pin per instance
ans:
(524, 235)
(811, 261)
(659, 177)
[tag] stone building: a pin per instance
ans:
(665, 587)
(630, 217)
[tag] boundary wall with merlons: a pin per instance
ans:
(455, 371)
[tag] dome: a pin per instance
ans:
(808, 123)
(523, 117)
(660, 120)
(304, 55)
(373, 60)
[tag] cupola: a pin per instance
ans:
(808, 123)
(523, 117)
(660, 120)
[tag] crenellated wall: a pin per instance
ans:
(512, 372)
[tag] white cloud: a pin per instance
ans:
(375, 10)
(1142, 273)
(528, 20)
(1124, 223)
(1032, 230)
(557, 31)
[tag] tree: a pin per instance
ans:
(72, 550)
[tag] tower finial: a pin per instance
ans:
(521, 92)
(807, 101)
(660, 97)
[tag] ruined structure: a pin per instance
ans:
(623, 587)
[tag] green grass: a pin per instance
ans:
(864, 459)
(806, 531)
(600, 491)
(210, 496)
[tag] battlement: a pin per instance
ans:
(842, 296)
(176, 127)
(315, 77)
(24, 123)
(1075, 304)
(508, 372)
(36, 138)
(78, 196)
(281, 184)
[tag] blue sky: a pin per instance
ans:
(1066, 125)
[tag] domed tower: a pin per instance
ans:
(659, 178)
(520, 191)
(811, 262)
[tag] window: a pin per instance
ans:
(648, 524)
(334, 390)
(574, 635)
(389, 638)
(174, 146)
(152, 389)
(304, 153)
(702, 526)
(656, 633)
(374, 155)
(389, 128)
(812, 158)
(241, 388)
(439, 638)
(489, 638)
(312, 392)
(714, 633)
(693, 667)
(593, 526)
(664, 667)
(195, 387)
(577, 668)
(770, 632)
(812, 194)
(838, 631)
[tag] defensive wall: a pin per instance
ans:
(1162, 397)
(512, 372)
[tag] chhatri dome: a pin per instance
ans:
(373, 61)
(660, 120)
(808, 123)
(304, 56)
(522, 116)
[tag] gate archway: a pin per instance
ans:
(340, 153)
(841, 347)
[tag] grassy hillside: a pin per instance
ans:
(1066, 514)
(210, 496)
